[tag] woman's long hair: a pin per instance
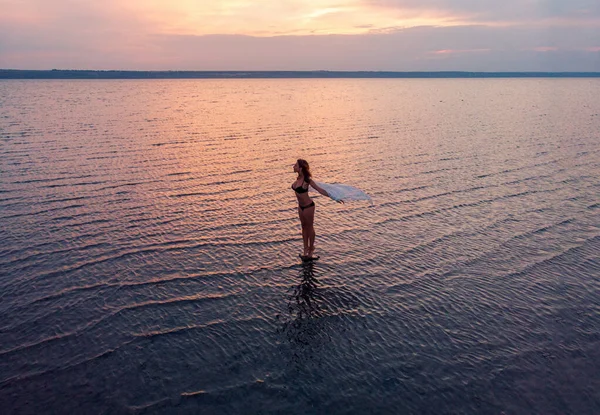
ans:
(303, 164)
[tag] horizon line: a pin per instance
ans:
(241, 74)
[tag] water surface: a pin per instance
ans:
(148, 259)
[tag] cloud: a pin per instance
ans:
(545, 49)
(117, 35)
(507, 11)
(459, 51)
(476, 48)
(71, 33)
(467, 48)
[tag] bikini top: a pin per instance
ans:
(300, 189)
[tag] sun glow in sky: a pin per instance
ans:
(285, 17)
(301, 34)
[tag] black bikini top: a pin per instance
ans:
(300, 189)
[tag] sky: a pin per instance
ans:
(353, 35)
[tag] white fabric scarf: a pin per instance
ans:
(343, 192)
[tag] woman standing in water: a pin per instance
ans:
(306, 206)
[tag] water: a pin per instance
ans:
(148, 258)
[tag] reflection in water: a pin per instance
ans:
(305, 328)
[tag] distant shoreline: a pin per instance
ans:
(115, 74)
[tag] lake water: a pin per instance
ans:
(148, 258)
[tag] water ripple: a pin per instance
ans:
(149, 263)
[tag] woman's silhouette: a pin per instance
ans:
(306, 206)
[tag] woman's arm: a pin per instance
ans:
(321, 190)
(317, 188)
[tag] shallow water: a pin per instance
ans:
(148, 259)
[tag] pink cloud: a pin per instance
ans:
(454, 51)
(545, 49)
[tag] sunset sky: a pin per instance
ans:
(399, 35)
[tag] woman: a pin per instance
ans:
(306, 207)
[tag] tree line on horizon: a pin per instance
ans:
(176, 74)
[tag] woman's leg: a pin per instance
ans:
(305, 234)
(309, 220)
(305, 237)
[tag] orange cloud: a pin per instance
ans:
(271, 18)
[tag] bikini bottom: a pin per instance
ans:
(307, 206)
